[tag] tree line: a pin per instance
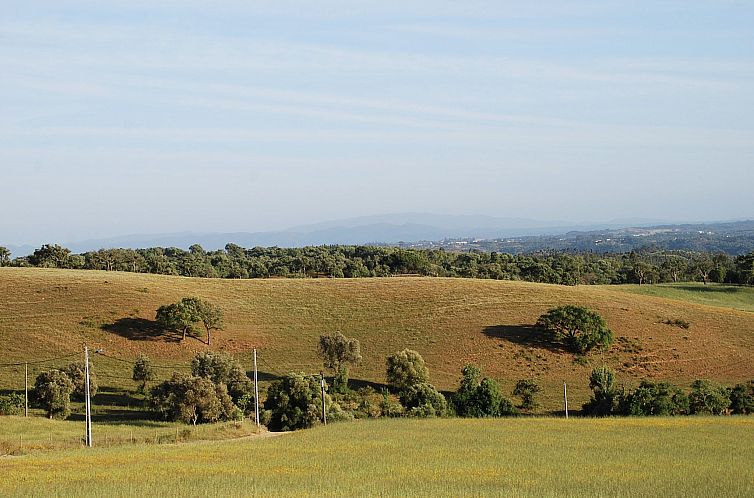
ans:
(639, 267)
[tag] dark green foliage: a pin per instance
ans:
(580, 328)
(180, 316)
(337, 352)
(295, 403)
(742, 398)
(527, 389)
(240, 385)
(12, 404)
(480, 398)
(52, 391)
(707, 398)
(423, 400)
(605, 399)
(405, 369)
(192, 399)
(213, 365)
(77, 373)
(656, 398)
(570, 268)
(143, 372)
(210, 315)
(4, 256)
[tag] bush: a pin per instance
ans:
(475, 398)
(742, 398)
(295, 402)
(240, 385)
(77, 373)
(52, 390)
(193, 399)
(142, 372)
(708, 399)
(215, 366)
(605, 399)
(527, 389)
(405, 369)
(660, 398)
(423, 400)
(12, 404)
(580, 328)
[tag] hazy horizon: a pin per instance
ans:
(134, 118)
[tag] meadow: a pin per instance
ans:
(727, 296)
(48, 313)
(684, 456)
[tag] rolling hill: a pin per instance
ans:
(51, 313)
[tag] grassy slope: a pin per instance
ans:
(46, 313)
(727, 296)
(687, 456)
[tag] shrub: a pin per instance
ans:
(475, 398)
(142, 372)
(660, 398)
(708, 399)
(295, 402)
(193, 399)
(527, 390)
(239, 385)
(77, 373)
(215, 366)
(405, 369)
(580, 328)
(12, 404)
(337, 352)
(423, 400)
(605, 399)
(52, 390)
(742, 398)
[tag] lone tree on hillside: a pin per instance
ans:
(52, 390)
(337, 352)
(211, 317)
(143, 372)
(580, 328)
(180, 316)
(405, 369)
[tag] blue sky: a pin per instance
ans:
(125, 117)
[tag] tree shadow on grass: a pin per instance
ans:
(525, 335)
(141, 329)
(712, 289)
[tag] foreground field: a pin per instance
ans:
(48, 313)
(686, 456)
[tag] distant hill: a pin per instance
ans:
(733, 238)
(381, 229)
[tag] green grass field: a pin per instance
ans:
(725, 296)
(685, 456)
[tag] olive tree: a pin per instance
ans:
(294, 402)
(405, 369)
(580, 328)
(211, 316)
(192, 400)
(142, 371)
(180, 316)
(337, 352)
(52, 390)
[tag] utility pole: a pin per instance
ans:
(322, 384)
(256, 390)
(26, 389)
(565, 398)
(87, 399)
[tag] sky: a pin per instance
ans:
(135, 116)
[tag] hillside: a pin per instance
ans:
(50, 313)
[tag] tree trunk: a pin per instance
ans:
(208, 336)
(184, 333)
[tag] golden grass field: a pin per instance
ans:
(47, 313)
(524, 457)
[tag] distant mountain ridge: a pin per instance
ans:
(408, 229)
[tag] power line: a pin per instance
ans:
(39, 361)
(131, 362)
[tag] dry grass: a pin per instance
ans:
(46, 313)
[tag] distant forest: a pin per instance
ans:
(640, 267)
